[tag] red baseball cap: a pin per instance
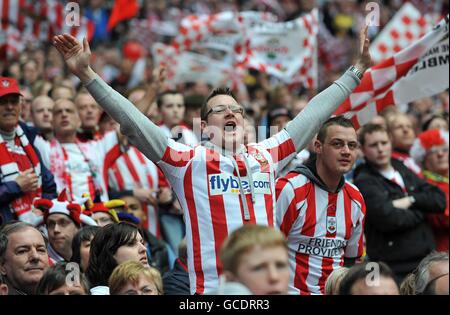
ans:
(8, 86)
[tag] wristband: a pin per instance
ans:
(356, 71)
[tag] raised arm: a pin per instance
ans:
(136, 126)
(153, 88)
(306, 124)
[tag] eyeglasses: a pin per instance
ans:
(338, 145)
(220, 109)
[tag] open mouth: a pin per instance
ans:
(230, 126)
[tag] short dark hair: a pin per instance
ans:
(103, 247)
(86, 233)
(159, 98)
(55, 277)
(359, 272)
(10, 228)
(333, 121)
(369, 129)
(217, 91)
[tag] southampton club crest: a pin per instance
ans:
(331, 225)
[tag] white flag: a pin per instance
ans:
(286, 50)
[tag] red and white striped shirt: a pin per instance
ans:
(206, 183)
(133, 170)
(321, 227)
(80, 167)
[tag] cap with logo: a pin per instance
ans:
(8, 86)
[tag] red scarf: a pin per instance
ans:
(9, 170)
(58, 166)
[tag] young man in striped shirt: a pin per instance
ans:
(320, 213)
(223, 183)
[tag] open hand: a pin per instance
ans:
(364, 61)
(76, 55)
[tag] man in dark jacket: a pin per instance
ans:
(23, 176)
(397, 201)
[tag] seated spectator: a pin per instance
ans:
(63, 279)
(374, 278)
(112, 245)
(23, 257)
(176, 281)
(81, 245)
(397, 202)
(432, 267)
(334, 280)
(256, 256)
(430, 151)
(132, 278)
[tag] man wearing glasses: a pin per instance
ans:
(321, 214)
(223, 183)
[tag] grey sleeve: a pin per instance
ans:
(141, 131)
(308, 122)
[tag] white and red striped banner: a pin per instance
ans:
(417, 71)
(190, 67)
(245, 40)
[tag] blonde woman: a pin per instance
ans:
(132, 278)
(334, 280)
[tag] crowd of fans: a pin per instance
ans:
(83, 200)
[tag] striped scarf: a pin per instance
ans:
(9, 171)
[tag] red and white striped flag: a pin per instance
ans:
(417, 71)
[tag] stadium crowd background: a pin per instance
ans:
(122, 57)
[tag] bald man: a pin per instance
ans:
(42, 116)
